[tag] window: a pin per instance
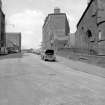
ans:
(89, 34)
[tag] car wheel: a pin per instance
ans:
(45, 59)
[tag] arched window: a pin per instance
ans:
(89, 34)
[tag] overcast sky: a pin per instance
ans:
(27, 16)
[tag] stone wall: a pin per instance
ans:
(87, 30)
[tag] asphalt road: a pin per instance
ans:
(27, 80)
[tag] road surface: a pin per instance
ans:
(27, 80)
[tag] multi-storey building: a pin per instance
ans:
(55, 30)
(13, 40)
(90, 34)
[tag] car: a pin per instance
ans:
(48, 55)
(12, 50)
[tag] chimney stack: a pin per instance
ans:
(56, 10)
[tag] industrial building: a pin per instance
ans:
(55, 30)
(90, 34)
(13, 42)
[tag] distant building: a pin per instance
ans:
(72, 40)
(90, 34)
(13, 40)
(2, 28)
(55, 30)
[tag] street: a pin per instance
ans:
(28, 80)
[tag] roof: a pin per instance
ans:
(84, 12)
(13, 33)
(52, 14)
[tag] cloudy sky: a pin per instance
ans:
(27, 16)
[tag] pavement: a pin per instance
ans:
(83, 57)
(25, 79)
(83, 66)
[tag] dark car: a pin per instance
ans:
(48, 55)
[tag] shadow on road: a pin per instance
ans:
(12, 56)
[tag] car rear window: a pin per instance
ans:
(50, 52)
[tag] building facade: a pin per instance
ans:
(55, 30)
(90, 34)
(72, 40)
(13, 40)
(2, 28)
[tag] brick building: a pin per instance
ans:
(13, 40)
(55, 30)
(90, 34)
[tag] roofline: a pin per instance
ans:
(84, 12)
(52, 14)
(13, 33)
